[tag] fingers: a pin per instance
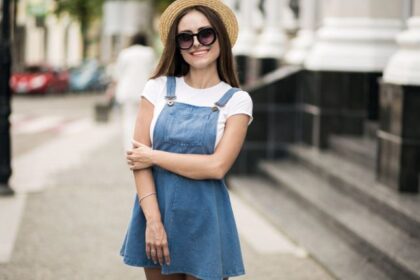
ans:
(134, 157)
(163, 252)
(131, 164)
(166, 253)
(148, 248)
(156, 254)
(159, 254)
(153, 254)
(138, 166)
(157, 250)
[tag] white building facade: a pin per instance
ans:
(359, 64)
(43, 38)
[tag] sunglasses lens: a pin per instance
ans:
(207, 36)
(185, 41)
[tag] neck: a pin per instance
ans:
(202, 78)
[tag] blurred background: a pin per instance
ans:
(326, 185)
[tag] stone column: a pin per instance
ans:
(246, 37)
(74, 45)
(398, 161)
(340, 89)
(35, 48)
(55, 41)
(272, 41)
(308, 21)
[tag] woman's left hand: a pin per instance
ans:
(140, 157)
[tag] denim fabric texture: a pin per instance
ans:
(197, 214)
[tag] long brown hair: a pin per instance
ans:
(172, 63)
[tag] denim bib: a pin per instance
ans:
(197, 214)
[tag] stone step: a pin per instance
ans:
(390, 248)
(358, 182)
(322, 243)
(361, 150)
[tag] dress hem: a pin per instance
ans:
(166, 270)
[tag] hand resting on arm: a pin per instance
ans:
(195, 166)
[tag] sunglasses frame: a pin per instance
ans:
(198, 38)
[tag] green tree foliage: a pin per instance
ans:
(84, 12)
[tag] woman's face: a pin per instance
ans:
(198, 56)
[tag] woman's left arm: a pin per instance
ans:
(196, 166)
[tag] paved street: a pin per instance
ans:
(74, 199)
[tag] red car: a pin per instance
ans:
(39, 79)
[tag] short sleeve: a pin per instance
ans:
(240, 103)
(153, 89)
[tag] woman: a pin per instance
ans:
(182, 225)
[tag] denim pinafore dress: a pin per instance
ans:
(197, 214)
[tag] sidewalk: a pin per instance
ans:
(73, 227)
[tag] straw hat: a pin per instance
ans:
(225, 13)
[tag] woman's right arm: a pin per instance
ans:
(144, 178)
(156, 239)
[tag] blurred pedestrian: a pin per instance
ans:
(133, 68)
(196, 119)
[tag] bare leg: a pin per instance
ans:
(189, 277)
(154, 274)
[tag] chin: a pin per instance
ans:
(200, 65)
(202, 62)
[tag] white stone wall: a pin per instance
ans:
(55, 42)
(50, 48)
(404, 65)
(357, 35)
(308, 23)
(362, 8)
(74, 45)
(34, 49)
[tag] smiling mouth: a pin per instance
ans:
(199, 53)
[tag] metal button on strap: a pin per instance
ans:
(214, 108)
(170, 102)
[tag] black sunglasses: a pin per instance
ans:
(205, 36)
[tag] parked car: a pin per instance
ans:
(89, 76)
(40, 79)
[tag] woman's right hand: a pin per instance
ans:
(157, 242)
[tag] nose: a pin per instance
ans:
(196, 42)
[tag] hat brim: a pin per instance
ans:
(225, 13)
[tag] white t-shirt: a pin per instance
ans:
(133, 68)
(239, 103)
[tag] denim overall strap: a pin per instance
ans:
(170, 90)
(225, 98)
